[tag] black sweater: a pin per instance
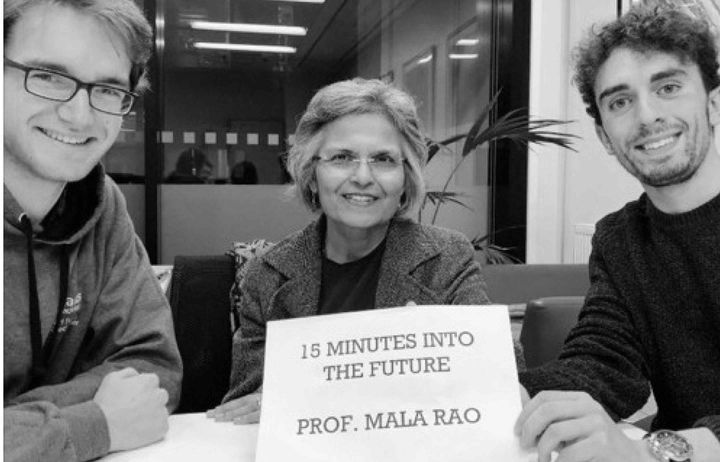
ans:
(652, 314)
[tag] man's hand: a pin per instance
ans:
(577, 427)
(134, 407)
(245, 410)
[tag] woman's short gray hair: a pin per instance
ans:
(358, 96)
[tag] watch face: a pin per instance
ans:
(670, 446)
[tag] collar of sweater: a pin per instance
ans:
(76, 211)
(406, 247)
(702, 216)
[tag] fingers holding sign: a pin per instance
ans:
(576, 427)
(245, 410)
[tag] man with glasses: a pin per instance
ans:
(90, 360)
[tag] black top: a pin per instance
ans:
(350, 286)
(652, 314)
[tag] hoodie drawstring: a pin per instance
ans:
(40, 353)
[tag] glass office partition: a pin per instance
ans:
(235, 75)
(125, 162)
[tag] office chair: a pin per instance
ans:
(546, 324)
(200, 301)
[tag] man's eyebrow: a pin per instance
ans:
(51, 66)
(609, 91)
(667, 74)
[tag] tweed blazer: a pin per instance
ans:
(423, 264)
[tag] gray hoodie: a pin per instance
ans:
(105, 312)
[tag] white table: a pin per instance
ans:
(194, 437)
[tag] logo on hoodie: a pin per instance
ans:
(70, 313)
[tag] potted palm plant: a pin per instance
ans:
(516, 126)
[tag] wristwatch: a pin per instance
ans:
(669, 446)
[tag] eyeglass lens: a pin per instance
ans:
(59, 87)
(379, 163)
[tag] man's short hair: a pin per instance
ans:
(644, 29)
(121, 16)
(350, 97)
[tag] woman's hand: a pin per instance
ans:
(245, 410)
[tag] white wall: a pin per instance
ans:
(565, 188)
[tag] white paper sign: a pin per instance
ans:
(425, 383)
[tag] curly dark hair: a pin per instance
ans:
(644, 29)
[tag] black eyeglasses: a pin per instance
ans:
(57, 86)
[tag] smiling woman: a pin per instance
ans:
(356, 161)
(359, 182)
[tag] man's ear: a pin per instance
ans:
(714, 106)
(604, 139)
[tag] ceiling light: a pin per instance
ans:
(463, 55)
(467, 42)
(249, 28)
(244, 47)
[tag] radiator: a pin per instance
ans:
(582, 242)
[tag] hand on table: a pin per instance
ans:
(245, 410)
(134, 407)
(577, 427)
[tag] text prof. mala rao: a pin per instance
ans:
(410, 365)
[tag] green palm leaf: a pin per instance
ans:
(497, 255)
(479, 122)
(440, 197)
(516, 126)
(435, 146)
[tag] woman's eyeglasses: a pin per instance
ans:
(347, 162)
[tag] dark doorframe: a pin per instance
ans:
(507, 221)
(155, 11)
